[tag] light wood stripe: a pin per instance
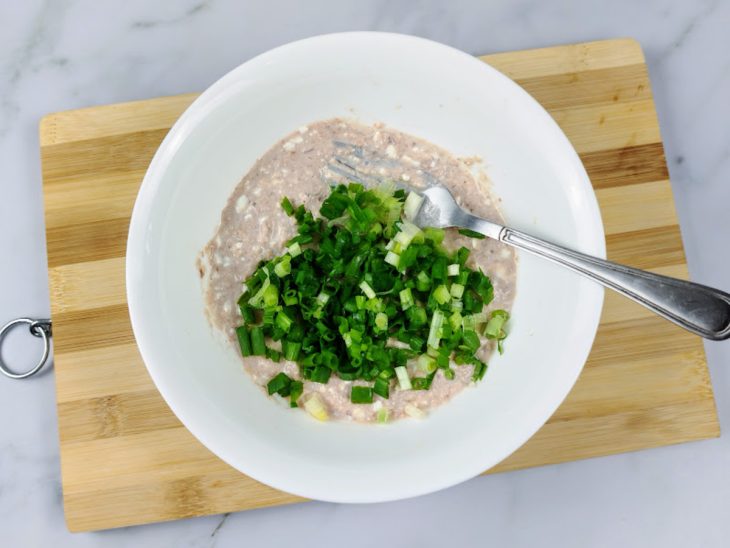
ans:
(604, 127)
(646, 337)
(594, 87)
(82, 200)
(89, 373)
(624, 388)
(568, 59)
(679, 422)
(125, 457)
(621, 214)
(83, 286)
(119, 119)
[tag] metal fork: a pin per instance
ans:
(697, 308)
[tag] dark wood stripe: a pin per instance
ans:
(114, 415)
(93, 328)
(649, 248)
(626, 166)
(601, 86)
(113, 154)
(87, 241)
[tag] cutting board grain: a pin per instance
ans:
(127, 460)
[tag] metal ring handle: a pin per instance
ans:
(37, 328)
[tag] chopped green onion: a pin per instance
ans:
(426, 363)
(295, 391)
(494, 325)
(287, 207)
(413, 411)
(256, 300)
(257, 341)
(271, 296)
(320, 374)
(283, 321)
(406, 298)
(455, 320)
(283, 267)
(471, 233)
(392, 258)
(402, 375)
(244, 341)
(291, 350)
(369, 293)
(352, 281)
(248, 314)
(433, 334)
(457, 291)
(412, 205)
(436, 235)
(361, 394)
(382, 415)
(441, 294)
(316, 408)
(382, 387)
(381, 321)
(280, 384)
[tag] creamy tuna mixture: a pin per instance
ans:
(303, 166)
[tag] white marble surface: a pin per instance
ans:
(57, 55)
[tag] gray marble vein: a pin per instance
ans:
(57, 55)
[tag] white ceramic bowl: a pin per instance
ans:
(420, 87)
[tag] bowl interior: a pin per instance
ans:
(422, 88)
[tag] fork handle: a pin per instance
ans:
(697, 308)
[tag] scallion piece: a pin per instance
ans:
(403, 380)
(369, 293)
(471, 233)
(283, 267)
(453, 269)
(406, 298)
(244, 341)
(382, 387)
(361, 394)
(258, 345)
(280, 384)
(283, 321)
(382, 415)
(412, 205)
(441, 294)
(437, 321)
(392, 258)
(291, 350)
(295, 391)
(381, 321)
(457, 291)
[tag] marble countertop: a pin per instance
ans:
(58, 55)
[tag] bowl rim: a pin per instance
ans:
(139, 226)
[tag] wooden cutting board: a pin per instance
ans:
(127, 460)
